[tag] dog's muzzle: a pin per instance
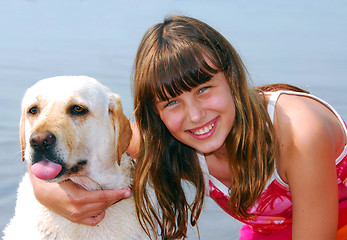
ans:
(45, 164)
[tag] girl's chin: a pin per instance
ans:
(209, 149)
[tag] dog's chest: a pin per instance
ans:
(120, 222)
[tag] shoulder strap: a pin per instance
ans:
(205, 172)
(272, 103)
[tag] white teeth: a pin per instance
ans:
(204, 130)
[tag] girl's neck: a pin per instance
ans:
(218, 166)
(220, 154)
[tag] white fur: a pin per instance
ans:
(93, 138)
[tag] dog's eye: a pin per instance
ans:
(78, 110)
(33, 110)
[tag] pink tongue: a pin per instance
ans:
(46, 170)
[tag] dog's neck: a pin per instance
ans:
(86, 183)
(112, 177)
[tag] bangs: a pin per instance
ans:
(180, 71)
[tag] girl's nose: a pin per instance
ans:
(195, 112)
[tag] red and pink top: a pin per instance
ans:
(273, 209)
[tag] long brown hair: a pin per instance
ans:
(170, 60)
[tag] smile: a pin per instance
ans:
(205, 130)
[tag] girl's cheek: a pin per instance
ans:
(172, 121)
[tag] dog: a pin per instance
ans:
(73, 127)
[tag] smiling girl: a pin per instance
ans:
(273, 157)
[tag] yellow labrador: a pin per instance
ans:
(73, 127)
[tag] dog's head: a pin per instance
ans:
(69, 123)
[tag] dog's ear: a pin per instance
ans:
(122, 126)
(22, 133)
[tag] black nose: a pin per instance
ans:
(42, 140)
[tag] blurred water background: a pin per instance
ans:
(297, 42)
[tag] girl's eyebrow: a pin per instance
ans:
(157, 101)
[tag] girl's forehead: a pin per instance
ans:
(172, 82)
(158, 99)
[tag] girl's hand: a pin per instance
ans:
(76, 204)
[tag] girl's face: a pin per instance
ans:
(203, 117)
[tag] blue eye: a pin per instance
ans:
(203, 89)
(173, 102)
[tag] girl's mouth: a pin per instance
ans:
(205, 130)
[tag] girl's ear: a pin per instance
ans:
(121, 123)
(22, 133)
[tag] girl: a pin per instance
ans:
(273, 157)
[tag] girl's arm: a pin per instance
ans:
(313, 185)
(313, 140)
(76, 204)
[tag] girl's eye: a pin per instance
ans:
(203, 89)
(173, 102)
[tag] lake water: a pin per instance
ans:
(297, 42)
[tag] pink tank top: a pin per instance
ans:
(273, 209)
